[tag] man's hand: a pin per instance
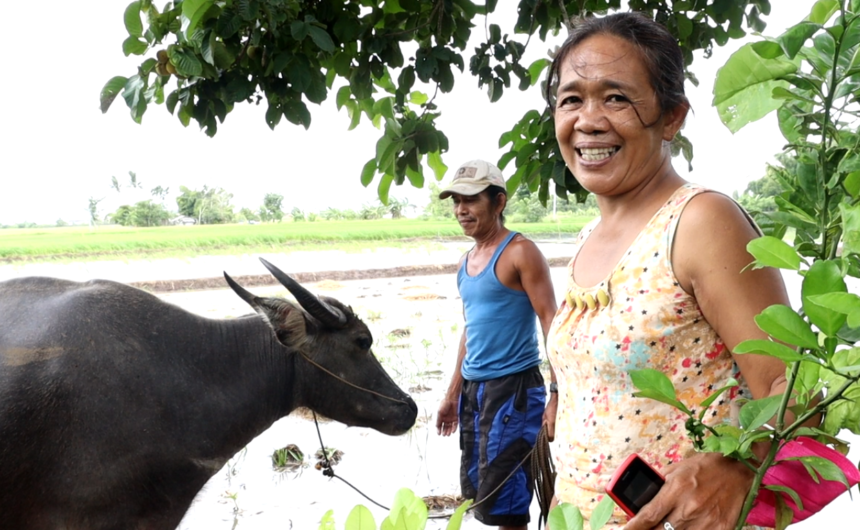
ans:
(549, 415)
(703, 492)
(448, 417)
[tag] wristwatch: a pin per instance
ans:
(553, 387)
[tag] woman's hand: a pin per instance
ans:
(703, 492)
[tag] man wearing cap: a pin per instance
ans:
(497, 394)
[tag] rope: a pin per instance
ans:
(543, 474)
(542, 469)
(342, 380)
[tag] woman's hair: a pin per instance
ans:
(663, 57)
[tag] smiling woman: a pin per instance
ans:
(655, 283)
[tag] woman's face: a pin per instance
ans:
(608, 120)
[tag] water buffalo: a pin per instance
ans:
(116, 407)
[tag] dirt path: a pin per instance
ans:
(198, 284)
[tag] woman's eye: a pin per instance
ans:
(570, 100)
(617, 98)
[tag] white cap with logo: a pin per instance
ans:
(472, 178)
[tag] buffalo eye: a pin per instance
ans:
(363, 343)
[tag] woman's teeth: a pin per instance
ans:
(593, 155)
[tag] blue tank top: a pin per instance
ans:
(501, 329)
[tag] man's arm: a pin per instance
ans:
(535, 279)
(449, 415)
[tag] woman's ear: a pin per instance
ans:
(674, 120)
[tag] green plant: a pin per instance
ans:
(286, 457)
(384, 61)
(408, 512)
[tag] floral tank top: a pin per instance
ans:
(637, 317)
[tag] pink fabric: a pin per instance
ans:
(792, 474)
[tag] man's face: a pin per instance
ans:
(476, 214)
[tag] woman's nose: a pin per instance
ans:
(591, 119)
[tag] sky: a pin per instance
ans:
(57, 149)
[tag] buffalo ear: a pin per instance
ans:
(286, 319)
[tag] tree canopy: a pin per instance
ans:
(385, 61)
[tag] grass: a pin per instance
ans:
(124, 242)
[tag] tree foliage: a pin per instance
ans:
(385, 62)
(272, 208)
(206, 205)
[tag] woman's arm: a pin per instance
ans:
(710, 260)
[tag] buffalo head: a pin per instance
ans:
(336, 373)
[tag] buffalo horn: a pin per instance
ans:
(328, 315)
(243, 293)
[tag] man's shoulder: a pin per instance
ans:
(523, 244)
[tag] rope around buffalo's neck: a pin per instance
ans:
(543, 475)
(344, 381)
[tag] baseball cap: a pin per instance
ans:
(473, 177)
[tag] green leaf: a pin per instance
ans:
(850, 227)
(822, 467)
(321, 38)
(133, 46)
(186, 62)
(783, 324)
(196, 12)
(784, 515)
(842, 302)
(434, 160)
(772, 252)
(852, 180)
(384, 187)
(732, 382)
(822, 11)
(768, 49)
(418, 98)
(133, 23)
(457, 517)
(788, 491)
(768, 347)
(299, 30)
(757, 412)
(601, 513)
(744, 85)
(343, 95)
(368, 172)
(794, 38)
(565, 516)
(685, 25)
(297, 112)
(749, 105)
(360, 518)
(824, 276)
(850, 163)
(110, 91)
(654, 384)
(327, 521)
(745, 69)
(536, 69)
(273, 115)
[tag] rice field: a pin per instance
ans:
(82, 242)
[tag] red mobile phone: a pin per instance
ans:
(634, 484)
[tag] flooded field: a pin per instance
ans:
(416, 322)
